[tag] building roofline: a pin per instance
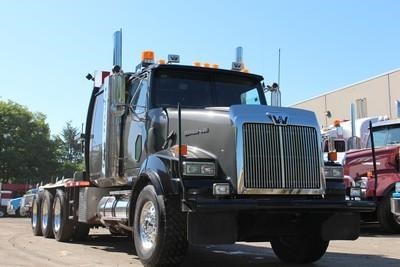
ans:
(347, 86)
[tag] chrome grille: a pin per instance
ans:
(280, 157)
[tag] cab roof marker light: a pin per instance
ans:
(245, 70)
(148, 56)
(197, 64)
(161, 61)
(215, 66)
(206, 65)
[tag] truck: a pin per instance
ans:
(178, 155)
(359, 165)
(9, 191)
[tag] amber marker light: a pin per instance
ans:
(183, 150)
(161, 61)
(215, 66)
(147, 55)
(332, 156)
(197, 64)
(206, 65)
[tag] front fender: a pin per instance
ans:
(158, 169)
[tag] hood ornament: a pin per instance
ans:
(278, 119)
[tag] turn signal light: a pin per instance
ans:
(332, 156)
(183, 149)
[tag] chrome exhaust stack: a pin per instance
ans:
(117, 55)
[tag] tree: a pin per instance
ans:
(69, 151)
(27, 154)
(72, 149)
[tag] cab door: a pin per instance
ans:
(136, 134)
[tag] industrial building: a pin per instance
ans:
(376, 96)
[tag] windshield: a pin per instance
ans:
(386, 135)
(204, 89)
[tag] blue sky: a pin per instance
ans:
(47, 47)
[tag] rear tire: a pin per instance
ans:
(36, 214)
(299, 249)
(47, 214)
(159, 229)
(62, 227)
(389, 222)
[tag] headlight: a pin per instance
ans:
(362, 183)
(333, 172)
(397, 187)
(192, 168)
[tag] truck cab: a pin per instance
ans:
(359, 165)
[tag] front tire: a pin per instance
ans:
(47, 214)
(62, 227)
(36, 214)
(159, 229)
(389, 222)
(299, 249)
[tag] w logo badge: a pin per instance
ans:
(277, 119)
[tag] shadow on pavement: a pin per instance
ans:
(242, 255)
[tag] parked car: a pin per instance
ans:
(5, 196)
(26, 202)
(14, 206)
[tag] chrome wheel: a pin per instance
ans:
(148, 228)
(45, 214)
(57, 215)
(34, 214)
(397, 219)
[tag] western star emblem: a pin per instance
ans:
(278, 119)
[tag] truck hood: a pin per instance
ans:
(359, 162)
(214, 131)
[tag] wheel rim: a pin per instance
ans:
(34, 214)
(45, 214)
(397, 219)
(148, 228)
(1, 213)
(57, 215)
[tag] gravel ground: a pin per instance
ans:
(18, 247)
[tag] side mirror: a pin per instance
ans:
(354, 142)
(275, 94)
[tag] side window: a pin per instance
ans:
(139, 99)
(361, 105)
(250, 97)
(97, 123)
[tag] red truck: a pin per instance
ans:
(359, 165)
(10, 191)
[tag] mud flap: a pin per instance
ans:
(212, 228)
(341, 226)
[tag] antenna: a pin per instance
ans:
(279, 67)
